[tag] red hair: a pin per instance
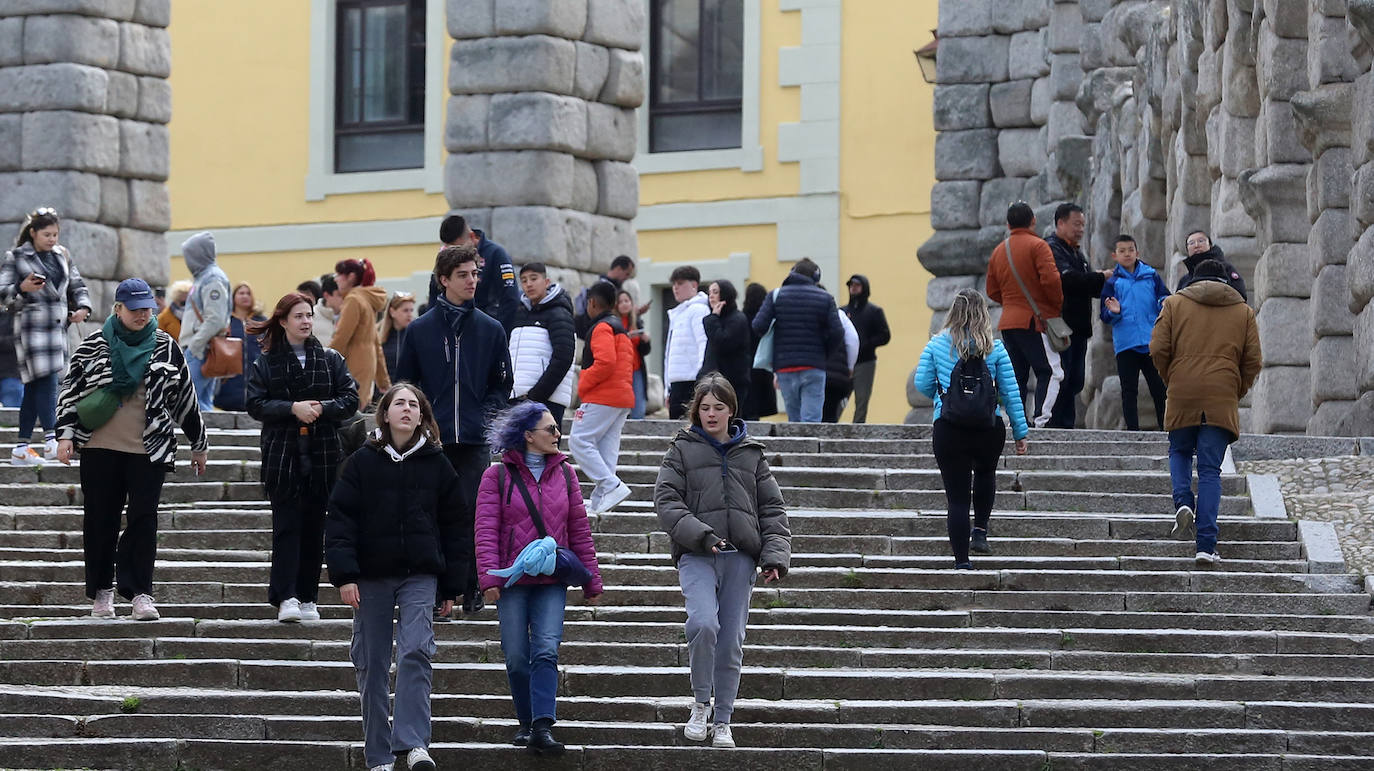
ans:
(270, 332)
(361, 270)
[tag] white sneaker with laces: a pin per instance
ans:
(50, 449)
(1183, 523)
(698, 722)
(103, 607)
(721, 738)
(1207, 558)
(384, 767)
(418, 759)
(289, 611)
(144, 610)
(614, 498)
(25, 455)
(310, 611)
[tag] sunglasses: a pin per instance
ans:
(551, 430)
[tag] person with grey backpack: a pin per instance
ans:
(968, 373)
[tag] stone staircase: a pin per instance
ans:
(1089, 640)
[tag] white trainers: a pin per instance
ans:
(103, 607)
(1207, 558)
(50, 449)
(613, 498)
(310, 611)
(721, 738)
(698, 722)
(1183, 524)
(385, 767)
(289, 611)
(418, 759)
(144, 610)
(24, 455)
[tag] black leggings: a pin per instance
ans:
(1130, 365)
(109, 480)
(968, 460)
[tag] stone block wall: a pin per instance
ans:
(541, 127)
(1250, 119)
(84, 107)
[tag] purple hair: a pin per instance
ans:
(507, 428)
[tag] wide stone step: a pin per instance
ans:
(997, 561)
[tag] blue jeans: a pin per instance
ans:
(1209, 444)
(205, 386)
(641, 386)
(803, 393)
(39, 405)
(531, 619)
(11, 392)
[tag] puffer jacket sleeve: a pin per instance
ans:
(776, 537)
(563, 344)
(487, 530)
(670, 502)
(1109, 290)
(345, 390)
(580, 536)
(1008, 391)
(185, 409)
(457, 541)
(343, 522)
(926, 371)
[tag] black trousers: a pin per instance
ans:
(1030, 352)
(1074, 361)
(297, 547)
(1130, 365)
(469, 460)
(679, 396)
(110, 480)
(836, 391)
(968, 462)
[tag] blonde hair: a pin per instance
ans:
(386, 326)
(969, 324)
(234, 306)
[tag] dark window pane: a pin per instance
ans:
(380, 151)
(722, 49)
(678, 54)
(694, 131)
(351, 51)
(384, 64)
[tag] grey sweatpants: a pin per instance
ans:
(595, 444)
(371, 654)
(863, 388)
(717, 589)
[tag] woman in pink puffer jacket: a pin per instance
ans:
(530, 611)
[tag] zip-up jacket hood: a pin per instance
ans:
(199, 252)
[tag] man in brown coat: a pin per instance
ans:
(1022, 333)
(1206, 347)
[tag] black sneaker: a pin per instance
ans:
(963, 566)
(978, 544)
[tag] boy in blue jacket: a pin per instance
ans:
(1131, 300)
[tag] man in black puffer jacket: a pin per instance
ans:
(1081, 285)
(806, 332)
(1200, 247)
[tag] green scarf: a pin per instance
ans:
(130, 352)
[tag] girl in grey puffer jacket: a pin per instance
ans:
(718, 501)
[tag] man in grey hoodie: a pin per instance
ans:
(210, 303)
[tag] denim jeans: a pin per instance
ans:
(205, 386)
(39, 405)
(803, 394)
(531, 619)
(1209, 444)
(11, 391)
(641, 386)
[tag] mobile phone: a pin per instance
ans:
(726, 547)
(40, 277)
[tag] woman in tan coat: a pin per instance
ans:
(355, 332)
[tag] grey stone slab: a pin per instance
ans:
(953, 204)
(997, 196)
(615, 23)
(1362, 197)
(11, 141)
(150, 207)
(1285, 331)
(1066, 75)
(143, 253)
(144, 150)
(153, 13)
(538, 17)
(625, 79)
(973, 59)
(471, 18)
(144, 50)
(610, 132)
(114, 9)
(121, 97)
(497, 65)
(509, 179)
(962, 106)
(1011, 103)
(62, 86)
(959, 252)
(1322, 547)
(95, 247)
(75, 194)
(537, 121)
(971, 154)
(584, 195)
(1022, 152)
(965, 17)
(593, 65)
(70, 38)
(617, 189)
(11, 41)
(154, 100)
(1332, 377)
(71, 140)
(1362, 122)
(1028, 54)
(466, 122)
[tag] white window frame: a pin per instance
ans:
(320, 178)
(749, 155)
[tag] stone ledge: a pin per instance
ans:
(1322, 547)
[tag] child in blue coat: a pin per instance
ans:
(1131, 300)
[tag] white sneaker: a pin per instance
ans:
(289, 611)
(418, 759)
(614, 498)
(24, 455)
(50, 449)
(1207, 558)
(386, 767)
(310, 611)
(144, 610)
(697, 723)
(103, 607)
(721, 738)
(1183, 524)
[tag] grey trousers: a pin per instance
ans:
(863, 388)
(717, 589)
(371, 654)
(595, 443)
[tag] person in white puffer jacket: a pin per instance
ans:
(542, 342)
(686, 347)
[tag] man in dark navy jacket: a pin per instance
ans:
(806, 332)
(1081, 285)
(498, 293)
(457, 355)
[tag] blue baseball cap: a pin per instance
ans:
(135, 294)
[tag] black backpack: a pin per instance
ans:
(971, 400)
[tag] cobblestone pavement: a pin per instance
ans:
(1337, 490)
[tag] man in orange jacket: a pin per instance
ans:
(1023, 333)
(606, 392)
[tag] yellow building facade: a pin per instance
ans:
(835, 160)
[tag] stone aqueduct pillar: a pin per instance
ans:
(84, 106)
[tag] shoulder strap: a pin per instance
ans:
(567, 477)
(1006, 247)
(529, 505)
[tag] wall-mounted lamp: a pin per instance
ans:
(925, 56)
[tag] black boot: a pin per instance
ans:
(978, 544)
(541, 739)
(522, 736)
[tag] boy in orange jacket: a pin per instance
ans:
(606, 392)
